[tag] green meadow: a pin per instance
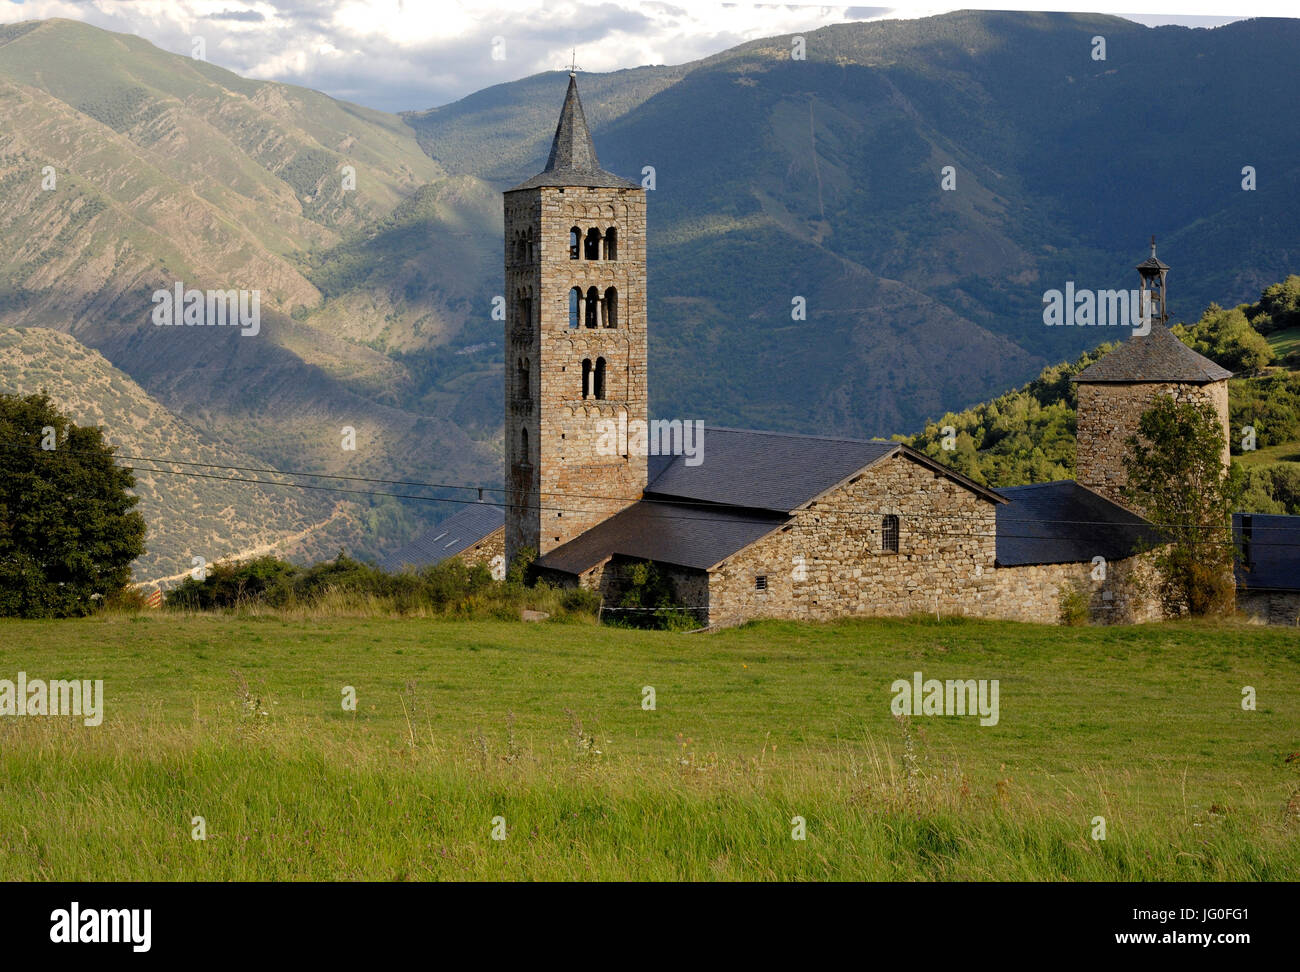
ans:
(538, 732)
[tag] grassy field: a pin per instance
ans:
(239, 720)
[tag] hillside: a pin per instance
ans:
(1027, 435)
(167, 168)
(775, 179)
(186, 515)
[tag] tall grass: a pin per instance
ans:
(281, 802)
(236, 718)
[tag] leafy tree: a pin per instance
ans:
(1278, 307)
(1227, 338)
(1177, 480)
(68, 533)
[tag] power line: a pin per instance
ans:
(665, 501)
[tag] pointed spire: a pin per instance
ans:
(572, 147)
(573, 161)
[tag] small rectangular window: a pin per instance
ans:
(889, 534)
(760, 582)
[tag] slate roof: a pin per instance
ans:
(1065, 523)
(1153, 357)
(684, 534)
(748, 485)
(460, 531)
(1271, 561)
(573, 161)
(774, 471)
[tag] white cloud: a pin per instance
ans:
(399, 54)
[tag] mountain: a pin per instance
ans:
(163, 168)
(820, 178)
(187, 515)
(775, 179)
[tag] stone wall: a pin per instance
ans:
(486, 551)
(828, 562)
(1271, 607)
(566, 477)
(1032, 592)
(1108, 413)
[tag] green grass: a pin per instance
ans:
(1286, 452)
(1284, 342)
(461, 722)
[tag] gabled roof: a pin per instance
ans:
(1271, 560)
(746, 486)
(777, 471)
(572, 161)
(1155, 357)
(688, 535)
(470, 524)
(1065, 523)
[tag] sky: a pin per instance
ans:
(401, 55)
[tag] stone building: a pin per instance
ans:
(765, 524)
(575, 261)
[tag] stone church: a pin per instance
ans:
(771, 524)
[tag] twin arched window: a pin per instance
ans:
(524, 308)
(593, 378)
(593, 245)
(521, 379)
(593, 309)
(524, 251)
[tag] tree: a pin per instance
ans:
(1227, 338)
(68, 533)
(1177, 480)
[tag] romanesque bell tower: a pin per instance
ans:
(575, 342)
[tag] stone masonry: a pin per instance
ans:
(1108, 413)
(562, 477)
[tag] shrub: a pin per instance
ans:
(1073, 602)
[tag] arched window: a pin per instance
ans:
(611, 307)
(532, 252)
(575, 242)
(591, 249)
(586, 377)
(522, 379)
(575, 308)
(523, 446)
(521, 250)
(889, 533)
(611, 243)
(524, 304)
(599, 379)
(592, 316)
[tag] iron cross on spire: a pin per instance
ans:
(573, 63)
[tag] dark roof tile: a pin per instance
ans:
(684, 534)
(573, 161)
(1155, 357)
(460, 531)
(1271, 561)
(1065, 523)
